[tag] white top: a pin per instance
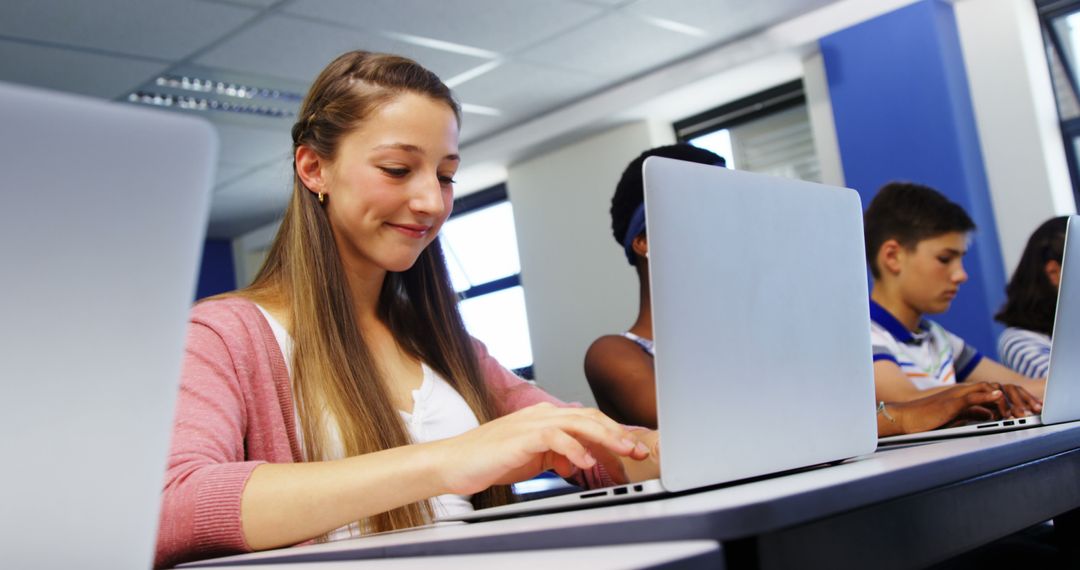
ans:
(439, 412)
(929, 357)
(1026, 352)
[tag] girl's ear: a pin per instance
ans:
(309, 167)
(1053, 272)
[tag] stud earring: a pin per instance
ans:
(322, 198)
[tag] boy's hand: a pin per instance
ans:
(1020, 402)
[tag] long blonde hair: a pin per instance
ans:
(333, 371)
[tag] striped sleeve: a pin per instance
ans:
(1026, 352)
(882, 344)
(965, 356)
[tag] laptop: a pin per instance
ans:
(761, 329)
(105, 208)
(1061, 402)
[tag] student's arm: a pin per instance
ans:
(621, 374)
(892, 385)
(1025, 394)
(510, 393)
(288, 503)
(936, 410)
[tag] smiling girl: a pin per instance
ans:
(339, 394)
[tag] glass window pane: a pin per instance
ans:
(457, 274)
(498, 320)
(484, 243)
(718, 142)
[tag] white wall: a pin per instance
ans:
(1016, 116)
(819, 108)
(577, 283)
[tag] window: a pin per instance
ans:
(1061, 36)
(481, 253)
(767, 133)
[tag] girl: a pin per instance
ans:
(340, 390)
(1031, 301)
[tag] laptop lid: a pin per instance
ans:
(760, 320)
(1061, 402)
(101, 229)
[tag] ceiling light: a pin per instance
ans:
(675, 26)
(480, 110)
(203, 104)
(222, 88)
(472, 73)
(443, 46)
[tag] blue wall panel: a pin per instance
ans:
(903, 112)
(216, 274)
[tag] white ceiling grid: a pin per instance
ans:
(515, 59)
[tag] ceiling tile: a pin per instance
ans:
(252, 3)
(495, 25)
(474, 127)
(521, 90)
(150, 28)
(73, 71)
(252, 147)
(616, 46)
(726, 19)
(298, 49)
(251, 201)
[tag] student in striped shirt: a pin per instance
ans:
(915, 243)
(1031, 301)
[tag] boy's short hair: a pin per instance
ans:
(630, 191)
(909, 213)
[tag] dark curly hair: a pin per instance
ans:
(1030, 297)
(630, 191)
(909, 213)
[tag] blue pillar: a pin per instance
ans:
(903, 112)
(216, 274)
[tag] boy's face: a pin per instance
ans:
(930, 275)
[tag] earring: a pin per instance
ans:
(322, 198)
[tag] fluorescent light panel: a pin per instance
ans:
(200, 85)
(206, 105)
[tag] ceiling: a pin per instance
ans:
(510, 62)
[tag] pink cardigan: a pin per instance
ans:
(235, 411)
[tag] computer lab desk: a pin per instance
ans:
(901, 507)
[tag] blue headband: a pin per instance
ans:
(637, 225)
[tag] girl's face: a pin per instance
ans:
(390, 187)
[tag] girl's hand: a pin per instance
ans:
(525, 443)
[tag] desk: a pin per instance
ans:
(685, 555)
(897, 508)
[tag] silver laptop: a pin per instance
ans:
(104, 211)
(1061, 402)
(761, 326)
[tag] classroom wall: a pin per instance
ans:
(578, 285)
(1017, 119)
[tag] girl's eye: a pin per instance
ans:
(395, 172)
(944, 259)
(447, 180)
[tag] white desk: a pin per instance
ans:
(686, 554)
(896, 508)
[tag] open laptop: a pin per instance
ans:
(761, 330)
(101, 227)
(1061, 402)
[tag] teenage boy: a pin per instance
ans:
(915, 243)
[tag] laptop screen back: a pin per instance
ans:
(101, 230)
(761, 323)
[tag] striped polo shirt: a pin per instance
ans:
(930, 357)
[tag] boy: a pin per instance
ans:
(915, 243)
